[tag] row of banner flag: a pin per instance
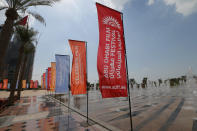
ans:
(111, 61)
(31, 85)
(57, 76)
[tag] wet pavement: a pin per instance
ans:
(39, 113)
(153, 109)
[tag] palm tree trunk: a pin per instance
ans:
(5, 36)
(23, 68)
(14, 82)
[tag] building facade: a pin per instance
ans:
(12, 59)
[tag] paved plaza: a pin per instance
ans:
(153, 109)
(39, 113)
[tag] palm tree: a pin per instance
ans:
(13, 10)
(25, 36)
(28, 49)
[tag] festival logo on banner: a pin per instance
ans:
(78, 74)
(53, 75)
(49, 79)
(5, 84)
(24, 84)
(111, 53)
(62, 73)
(31, 84)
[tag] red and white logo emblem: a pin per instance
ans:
(109, 20)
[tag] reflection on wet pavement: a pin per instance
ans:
(161, 109)
(38, 113)
(153, 108)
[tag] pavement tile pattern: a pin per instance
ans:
(153, 109)
(37, 113)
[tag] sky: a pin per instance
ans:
(160, 35)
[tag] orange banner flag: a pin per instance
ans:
(78, 74)
(44, 83)
(53, 75)
(31, 84)
(24, 84)
(5, 84)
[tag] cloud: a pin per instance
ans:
(3, 3)
(115, 4)
(31, 21)
(2, 16)
(150, 2)
(184, 7)
(2, 12)
(70, 8)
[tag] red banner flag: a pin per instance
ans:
(36, 84)
(111, 53)
(44, 83)
(78, 74)
(23, 21)
(5, 84)
(1, 85)
(49, 79)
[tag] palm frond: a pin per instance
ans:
(39, 3)
(37, 17)
(28, 3)
(52, 1)
(2, 8)
(22, 11)
(42, 3)
(25, 35)
(15, 3)
(19, 4)
(9, 2)
(24, 2)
